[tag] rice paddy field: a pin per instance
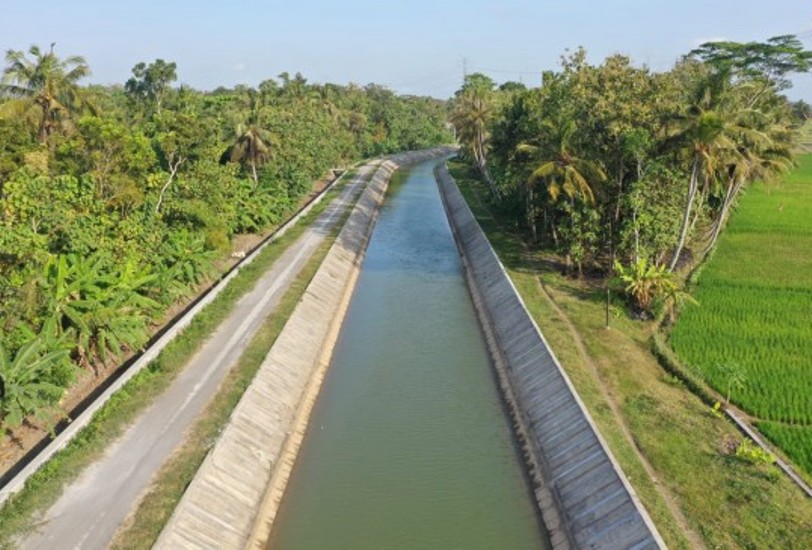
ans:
(751, 335)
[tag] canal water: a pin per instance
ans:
(409, 446)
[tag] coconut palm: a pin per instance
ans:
(473, 111)
(731, 144)
(764, 160)
(560, 168)
(254, 144)
(704, 130)
(44, 84)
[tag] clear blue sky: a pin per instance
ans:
(414, 46)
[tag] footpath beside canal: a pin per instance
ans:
(247, 469)
(584, 497)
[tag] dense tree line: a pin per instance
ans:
(624, 171)
(116, 200)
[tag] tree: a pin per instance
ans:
(703, 133)
(471, 117)
(178, 141)
(764, 158)
(802, 111)
(562, 171)
(254, 143)
(771, 61)
(561, 168)
(118, 156)
(44, 83)
(150, 83)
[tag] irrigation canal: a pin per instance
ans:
(409, 445)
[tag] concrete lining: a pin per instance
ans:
(235, 494)
(583, 495)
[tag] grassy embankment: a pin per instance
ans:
(752, 334)
(44, 487)
(666, 440)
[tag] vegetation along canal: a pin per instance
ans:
(409, 445)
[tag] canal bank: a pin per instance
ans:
(580, 489)
(219, 508)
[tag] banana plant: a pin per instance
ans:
(26, 386)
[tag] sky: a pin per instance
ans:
(417, 47)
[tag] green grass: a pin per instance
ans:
(725, 502)
(44, 487)
(755, 312)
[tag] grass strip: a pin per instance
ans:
(143, 528)
(46, 485)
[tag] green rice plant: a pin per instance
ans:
(795, 440)
(756, 296)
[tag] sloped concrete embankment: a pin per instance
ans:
(234, 496)
(584, 497)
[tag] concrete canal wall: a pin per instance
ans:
(234, 496)
(584, 497)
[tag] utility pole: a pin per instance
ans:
(464, 69)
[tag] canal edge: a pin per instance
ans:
(264, 521)
(603, 513)
(266, 515)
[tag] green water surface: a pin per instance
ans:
(409, 446)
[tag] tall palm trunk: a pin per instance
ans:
(686, 215)
(45, 125)
(253, 154)
(254, 172)
(734, 186)
(482, 164)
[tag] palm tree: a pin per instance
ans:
(254, 144)
(563, 170)
(731, 143)
(559, 167)
(763, 160)
(704, 131)
(45, 83)
(473, 111)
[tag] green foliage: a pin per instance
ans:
(660, 158)
(185, 263)
(753, 454)
(47, 88)
(114, 204)
(25, 381)
(150, 83)
(772, 60)
(652, 207)
(644, 283)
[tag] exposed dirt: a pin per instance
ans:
(33, 432)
